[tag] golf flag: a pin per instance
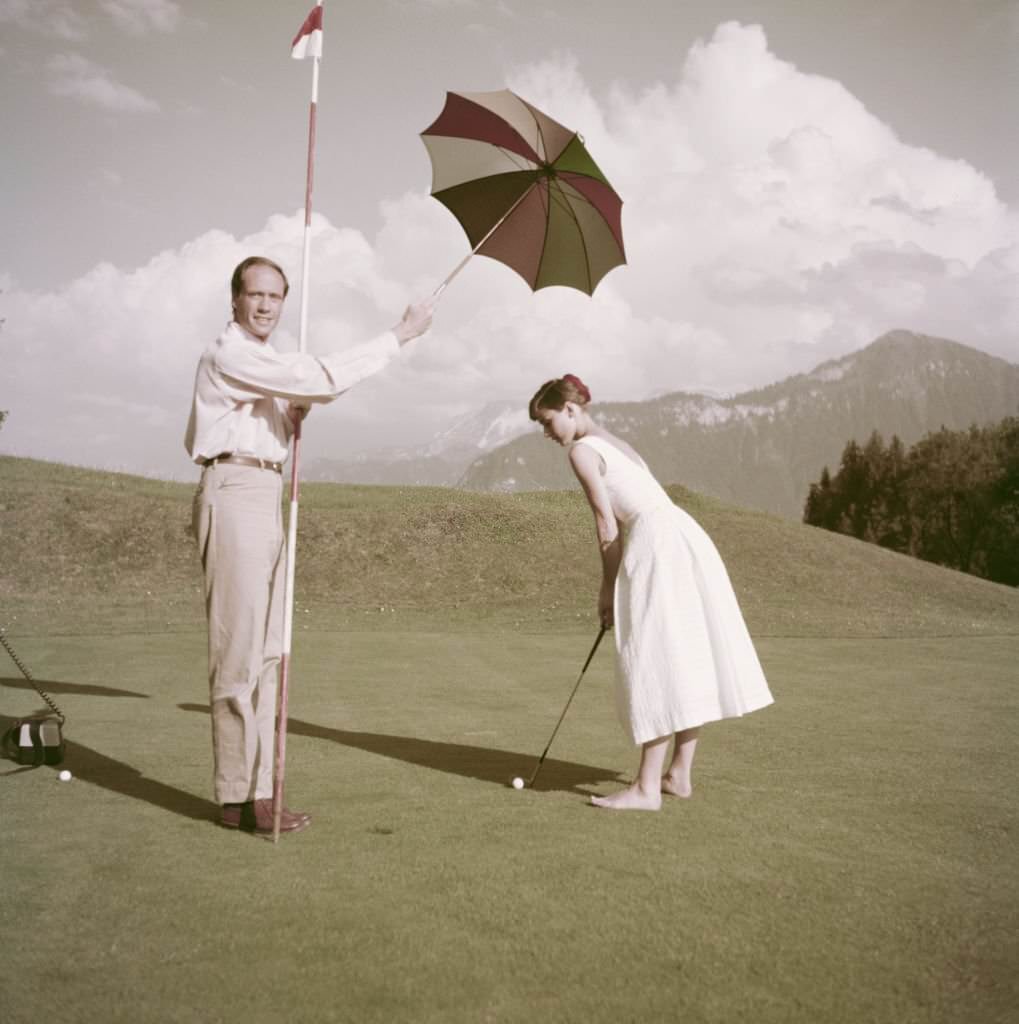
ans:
(308, 41)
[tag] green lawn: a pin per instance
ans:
(848, 856)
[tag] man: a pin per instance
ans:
(247, 400)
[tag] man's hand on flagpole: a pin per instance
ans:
(416, 320)
(296, 413)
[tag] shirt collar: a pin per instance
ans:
(234, 329)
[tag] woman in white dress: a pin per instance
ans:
(683, 653)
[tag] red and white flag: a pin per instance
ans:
(308, 42)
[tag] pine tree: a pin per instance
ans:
(853, 488)
(1003, 544)
(818, 509)
(952, 498)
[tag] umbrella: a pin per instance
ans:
(525, 190)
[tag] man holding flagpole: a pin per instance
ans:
(248, 398)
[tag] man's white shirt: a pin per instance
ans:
(243, 387)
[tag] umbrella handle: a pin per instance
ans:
(456, 270)
(491, 231)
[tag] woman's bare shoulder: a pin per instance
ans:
(622, 446)
(584, 456)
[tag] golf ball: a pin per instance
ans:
(65, 776)
(518, 783)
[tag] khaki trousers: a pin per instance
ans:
(239, 528)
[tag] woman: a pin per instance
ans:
(684, 656)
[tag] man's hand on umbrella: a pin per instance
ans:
(416, 320)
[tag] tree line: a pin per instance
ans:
(952, 498)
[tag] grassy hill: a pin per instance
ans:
(93, 550)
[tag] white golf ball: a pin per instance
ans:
(65, 776)
(518, 783)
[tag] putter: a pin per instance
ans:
(576, 686)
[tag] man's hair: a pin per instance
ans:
(237, 281)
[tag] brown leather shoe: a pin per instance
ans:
(255, 816)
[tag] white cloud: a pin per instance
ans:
(44, 17)
(441, 5)
(78, 78)
(745, 179)
(66, 23)
(771, 223)
(101, 371)
(141, 16)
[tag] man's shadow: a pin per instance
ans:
(90, 765)
(76, 689)
(481, 763)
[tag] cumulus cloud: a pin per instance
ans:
(76, 77)
(771, 222)
(100, 373)
(442, 5)
(138, 17)
(45, 17)
(51, 17)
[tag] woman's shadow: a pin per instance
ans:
(481, 763)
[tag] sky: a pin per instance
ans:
(797, 178)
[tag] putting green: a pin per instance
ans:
(848, 855)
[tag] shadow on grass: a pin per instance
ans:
(481, 763)
(90, 765)
(75, 689)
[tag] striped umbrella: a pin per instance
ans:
(525, 190)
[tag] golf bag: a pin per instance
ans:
(40, 738)
(35, 741)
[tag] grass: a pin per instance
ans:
(89, 550)
(848, 854)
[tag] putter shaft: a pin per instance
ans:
(576, 686)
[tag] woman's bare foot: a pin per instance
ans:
(633, 798)
(676, 785)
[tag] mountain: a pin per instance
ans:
(439, 463)
(762, 449)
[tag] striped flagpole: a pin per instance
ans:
(307, 43)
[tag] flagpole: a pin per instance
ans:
(280, 759)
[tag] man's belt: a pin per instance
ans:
(244, 460)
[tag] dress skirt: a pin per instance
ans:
(685, 656)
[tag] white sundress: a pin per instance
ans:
(684, 655)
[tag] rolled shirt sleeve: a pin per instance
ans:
(242, 387)
(253, 370)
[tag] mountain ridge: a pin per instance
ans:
(762, 448)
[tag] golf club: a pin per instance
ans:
(576, 686)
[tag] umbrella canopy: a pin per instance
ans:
(525, 190)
